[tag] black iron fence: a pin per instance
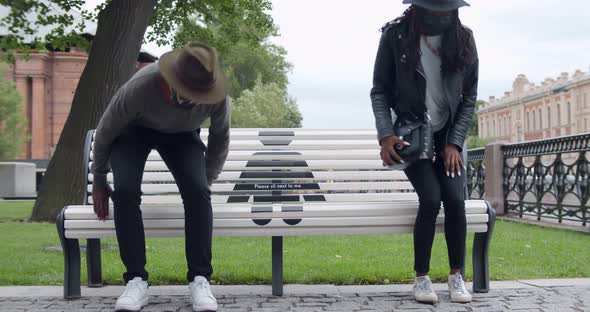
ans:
(476, 173)
(544, 179)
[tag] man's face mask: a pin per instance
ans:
(436, 23)
(180, 102)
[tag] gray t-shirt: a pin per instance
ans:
(141, 102)
(436, 103)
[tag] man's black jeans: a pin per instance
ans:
(433, 186)
(183, 153)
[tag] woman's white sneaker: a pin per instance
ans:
(457, 289)
(423, 291)
(201, 297)
(134, 297)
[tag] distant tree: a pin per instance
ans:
(265, 106)
(474, 141)
(244, 65)
(13, 124)
(474, 127)
(244, 60)
(257, 71)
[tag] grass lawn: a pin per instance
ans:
(518, 251)
(15, 211)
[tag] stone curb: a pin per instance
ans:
(242, 290)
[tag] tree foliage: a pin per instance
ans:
(265, 106)
(244, 65)
(246, 59)
(474, 141)
(13, 125)
(474, 127)
(59, 24)
(239, 20)
(33, 24)
(257, 71)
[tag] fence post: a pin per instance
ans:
(494, 189)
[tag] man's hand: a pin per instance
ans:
(453, 161)
(101, 191)
(388, 153)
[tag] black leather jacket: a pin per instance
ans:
(394, 92)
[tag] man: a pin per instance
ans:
(162, 107)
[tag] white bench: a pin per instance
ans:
(276, 182)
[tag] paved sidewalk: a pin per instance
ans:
(531, 295)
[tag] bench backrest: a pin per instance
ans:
(287, 165)
(282, 182)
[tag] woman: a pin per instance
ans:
(427, 63)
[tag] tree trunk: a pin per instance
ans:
(115, 48)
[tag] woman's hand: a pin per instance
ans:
(453, 161)
(388, 153)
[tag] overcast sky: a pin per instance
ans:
(332, 45)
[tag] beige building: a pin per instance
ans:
(555, 108)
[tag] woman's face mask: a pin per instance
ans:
(436, 23)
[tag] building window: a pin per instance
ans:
(549, 117)
(585, 124)
(540, 120)
(494, 124)
(487, 129)
(558, 115)
(569, 114)
(534, 121)
(495, 131)
(510, 124)
(481, 127)
(528, 121)
(505, 127)
(518, 114)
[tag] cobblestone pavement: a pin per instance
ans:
(544, 299)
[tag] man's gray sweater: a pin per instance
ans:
(141, 101)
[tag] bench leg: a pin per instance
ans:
(71, 250)
(93, 263)
(481, 244)
(277, 265)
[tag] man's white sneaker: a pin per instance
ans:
(201, 297)
(134, 297)
(457, 289)
(423, 291)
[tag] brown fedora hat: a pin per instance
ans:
(194, 72)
